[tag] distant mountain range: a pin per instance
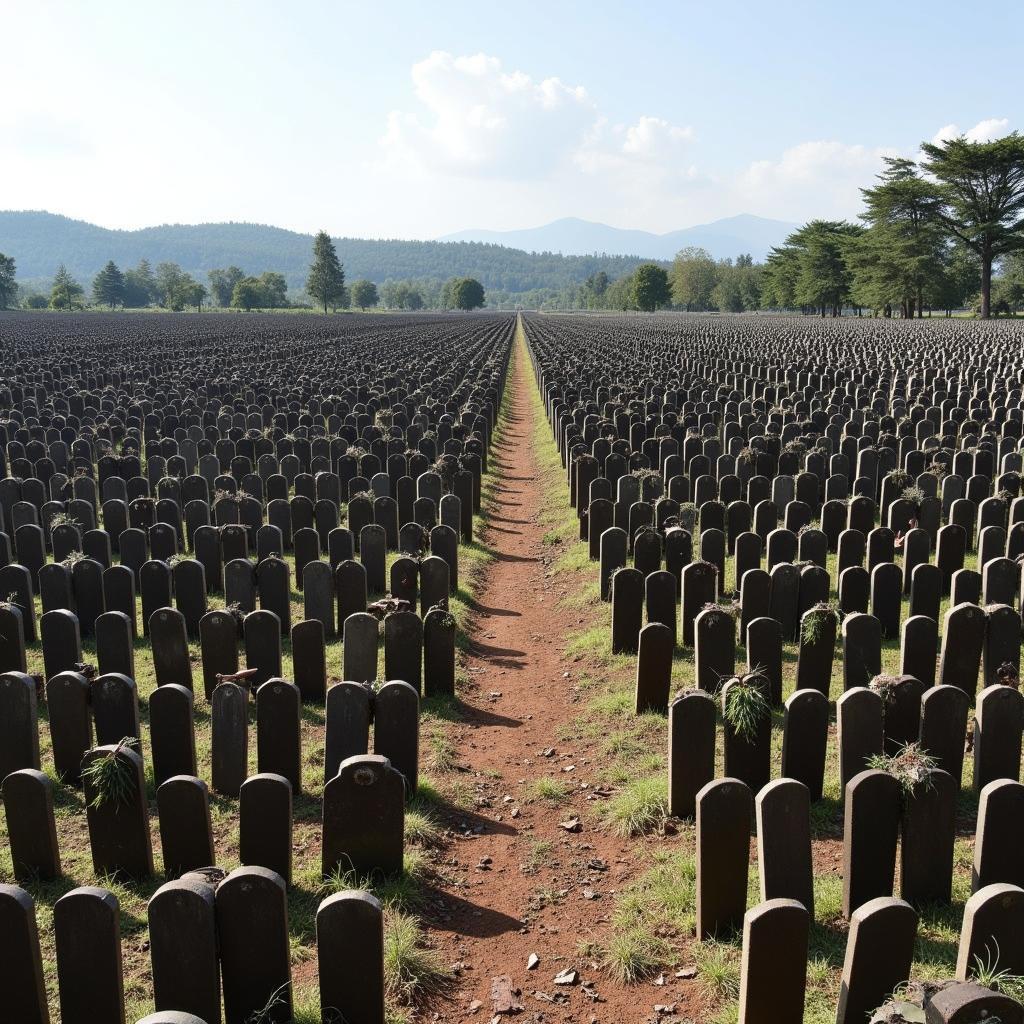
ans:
(571, 236)
(40, 241)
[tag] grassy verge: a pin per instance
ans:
(412, 969)
(653, 919)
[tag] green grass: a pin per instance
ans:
(549, 790)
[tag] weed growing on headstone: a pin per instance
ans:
(910, 766)
(113, 779)
(746, 706)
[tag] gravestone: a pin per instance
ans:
(998, 836)
(279, 730)
(773, 972)
(31, 830)
(265, 823)
(24, 988)
(186, 834)
(879, 951)
(364, 818)
(252, 934)
(723, 850)
(119, 823)
(871, 824)
(229, 737)
(691, 750)
(87, 937)
(172, 734)
(350, 948)
(183, 949)
(783, 810)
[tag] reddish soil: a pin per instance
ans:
(490, 916)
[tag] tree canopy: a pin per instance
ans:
(650, 287)
(66, 292)
(364, 294)
(108, 286)
(326, 281)
(8, 286)
(979, 197)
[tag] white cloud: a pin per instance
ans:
(984, 131)
(816, 179)
(480, 120)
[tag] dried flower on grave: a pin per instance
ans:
(63, 519)
(234, 609)
(388, 606)
(745, 705)
(113, 779)
(645, 474)
(885, 687)
(86, 669)
(11, 601)
(746, 457)
(910, 766)
(72, 558)
(814, 621)
(1008, 675)
(915, 495)
(730, 608)
(176, 559)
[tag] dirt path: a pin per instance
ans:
(522, 883)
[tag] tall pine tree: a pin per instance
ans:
(326, 281)
(108, 286)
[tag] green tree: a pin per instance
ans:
(170, 280)
(903, 251)
(108, 286)
(35, 301)
(274, 289)
(247, 294)
(364, 294)
(812, 269)
(693, 278)
(193, 293)
(139, 286)
(8, 287)
(66, 292)
(326, 281)
(650, 287)
(466, 293)
(980, 197)
(222, 284)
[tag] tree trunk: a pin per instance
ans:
(986, 284)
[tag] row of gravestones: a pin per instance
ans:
(363, 811)
(791, 604)
(450, 496)
(106, 709)
(882, 929)
(212, 934)
(89, 586)
(211, 938)
(880, 719)
(100, 600)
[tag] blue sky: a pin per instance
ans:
(406, 119)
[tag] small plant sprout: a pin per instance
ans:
(988, 974)
(745, 706)
(112, 778)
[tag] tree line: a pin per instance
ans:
(943, 232)
(170, 287)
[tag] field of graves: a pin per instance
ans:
(806, 535)
(192, 508)
(543, 667)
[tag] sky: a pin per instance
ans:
(411, 119)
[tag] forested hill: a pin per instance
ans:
(40, 241)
